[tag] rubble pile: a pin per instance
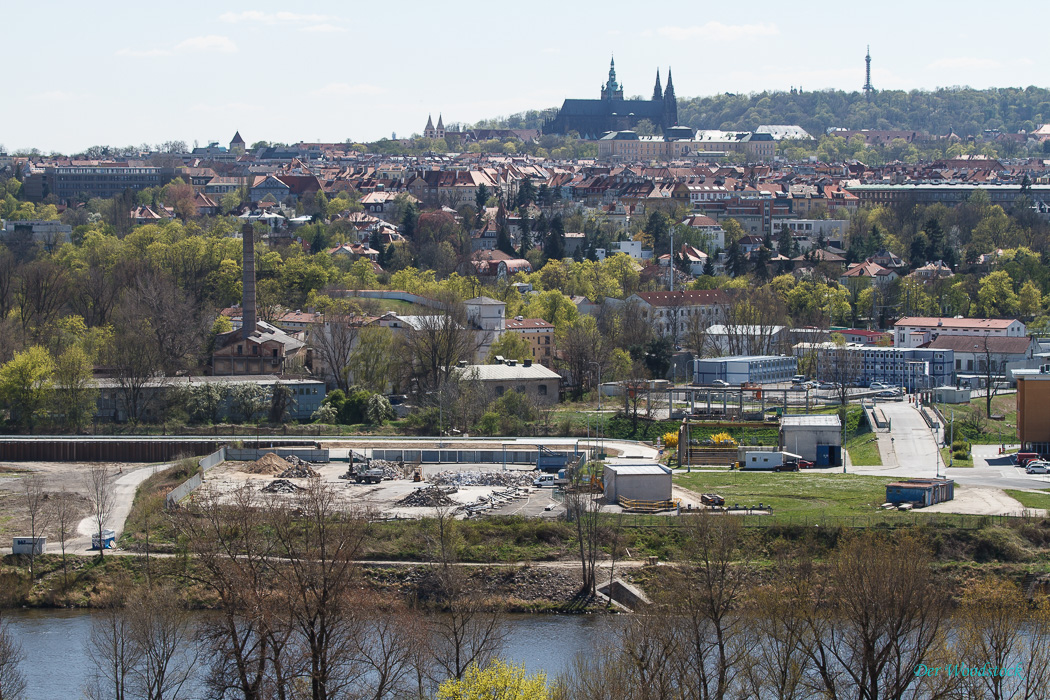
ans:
(479, 478)
(430, 497)
(280, 486)
(269, 463)
(296, 461)
(299, 471)
(391, 470)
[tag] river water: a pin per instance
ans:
(56, 664)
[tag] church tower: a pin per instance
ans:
(440, 128)
(658, 92)
(612, 90)
(429, 132)
(670, 104)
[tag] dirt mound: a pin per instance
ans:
(430, 497)
(280, 486)
(299, 471)
(269, 463)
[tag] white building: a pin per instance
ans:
(714, 236)
(670, 313)
(913, 331)
(637, 482)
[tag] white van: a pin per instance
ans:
(544, 480)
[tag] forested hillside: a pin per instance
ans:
(965, 110)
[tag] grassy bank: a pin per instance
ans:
(973, 424)
(1030, 499)
(794, 494)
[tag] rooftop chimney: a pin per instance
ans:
(248, 291)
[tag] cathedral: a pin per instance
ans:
(592, 118)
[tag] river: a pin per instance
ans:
(57, 666)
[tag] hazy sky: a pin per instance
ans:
(82, 73)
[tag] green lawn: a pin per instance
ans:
(957, 463)
(864, 450)
(973, 425)
(794, 494)
(1029, 499)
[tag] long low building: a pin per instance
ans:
(921, 492)
(535, 381)
(911, 368)
(744, 369)
(156, 396)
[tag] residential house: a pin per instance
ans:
(864, 274)
(932, 272)
(670, 313)
(539, 334)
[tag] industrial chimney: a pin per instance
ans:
(248, 287)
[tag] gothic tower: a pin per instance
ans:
(440, 133)
(612, 90)
(670, 104)
(658, 92)
(428, 131)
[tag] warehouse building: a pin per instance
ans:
(744, 369)
(817, 438)
(921, 492)
(911, 368)
(637, 482)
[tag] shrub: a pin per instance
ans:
(671, 440)
(723, 439)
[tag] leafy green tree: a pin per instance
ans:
(511, 346)
(378, 410)
(77, 391)
(481, 198)
(996, 297)
(497, 681)
(1029, 300)
(26, 385)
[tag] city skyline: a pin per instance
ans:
(327, 72)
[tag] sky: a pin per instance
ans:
(115, 73)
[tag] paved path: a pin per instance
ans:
(910, 448)
(124, 487)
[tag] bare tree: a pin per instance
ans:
(247, 638)
(466, 632)
(751, 322)
(334, 339)
(136, 360)
(997, 625)
(66, 519)
(878, 617)
(319, 541)
(100, 492)
(162, 636)
(435, 344)
(112, 647)
(39, 510)
(583, 507)
(704, 601)
(841, 365)
(388, 637)
(12, 681)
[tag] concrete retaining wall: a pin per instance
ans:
(190, 485)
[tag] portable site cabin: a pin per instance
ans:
(921, 492)
(637, 482)
(28, 545)
(107, 541)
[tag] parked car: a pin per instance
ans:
(1023, 458)
(799, 387)
(798, 379)
(720, 382)
(1037, 468)
(888, 394)
(829, 385)
(878, 386)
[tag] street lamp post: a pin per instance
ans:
(597, 420)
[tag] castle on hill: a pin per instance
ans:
(592, 118)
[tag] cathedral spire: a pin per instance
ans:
(670, 103)
(658, 93)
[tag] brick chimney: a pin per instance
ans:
(248, 287)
